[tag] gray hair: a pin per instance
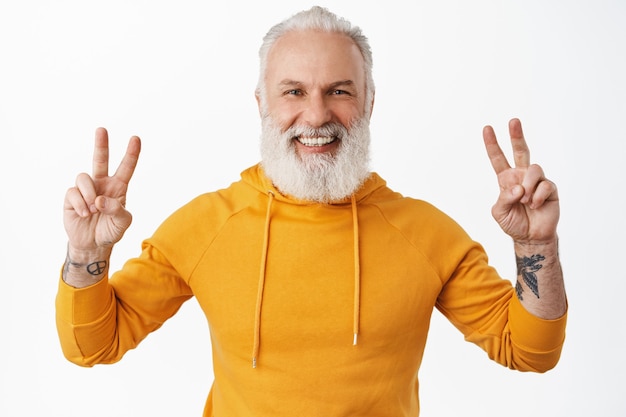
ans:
(318, 18)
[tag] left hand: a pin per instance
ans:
(527, 208)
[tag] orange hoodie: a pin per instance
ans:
(314, 309)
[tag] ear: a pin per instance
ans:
(257, 96)
(372, 104)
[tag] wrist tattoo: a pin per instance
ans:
(526, 268)
(95, 268)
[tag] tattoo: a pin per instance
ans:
(97, 268)
(526, 268)
(519, 290)
(94, 268)
(66, 267)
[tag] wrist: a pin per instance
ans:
(546, 251)
(85, 267)
(534, 244)
(84, 256)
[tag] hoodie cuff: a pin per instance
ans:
(534, 333)
(82, 305)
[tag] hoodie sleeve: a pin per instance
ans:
(483, 306)
(100, 323)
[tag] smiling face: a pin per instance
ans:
(315, 140)
(314, 78)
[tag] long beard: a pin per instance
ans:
(320, 177)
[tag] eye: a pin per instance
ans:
(339, 92)
(294, 92)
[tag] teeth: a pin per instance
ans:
(319, 141)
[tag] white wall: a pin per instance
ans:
(182, 74)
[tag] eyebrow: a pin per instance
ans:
(289, 83)
(342, 82)
(294, 83)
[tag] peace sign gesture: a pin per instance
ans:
(527, 208)
(94, 212)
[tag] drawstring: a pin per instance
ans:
(357, 272)
(259, 297)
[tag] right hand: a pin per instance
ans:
(94, 213)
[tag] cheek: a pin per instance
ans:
(347, 115)
(284, 114)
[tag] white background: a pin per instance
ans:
(181, 75)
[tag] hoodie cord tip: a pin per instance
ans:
(357, 272)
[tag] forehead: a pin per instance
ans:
(315, 56)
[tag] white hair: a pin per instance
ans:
(318, 18)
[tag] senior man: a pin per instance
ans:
(317, 280)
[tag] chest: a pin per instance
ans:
(310, 277)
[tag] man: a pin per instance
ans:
(318, 281)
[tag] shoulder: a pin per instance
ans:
(420, 222)
(196, 223)
(407, 212)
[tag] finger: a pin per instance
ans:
(545, 191)
(74, 201)
(496, 156)
(101, 154)
(127, 167)
(533, 176)
(87, 190)
(521, 153)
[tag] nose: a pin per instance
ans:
(317, 111)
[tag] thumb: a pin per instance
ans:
(507, 199)
(110, 206)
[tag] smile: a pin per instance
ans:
(316, 141)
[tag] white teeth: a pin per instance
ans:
(319, 141)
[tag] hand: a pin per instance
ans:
(94, 211)
(528, 206)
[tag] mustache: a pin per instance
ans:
(336, 130)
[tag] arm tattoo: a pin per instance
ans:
(95, 268)
(526, 268)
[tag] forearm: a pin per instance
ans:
(540, 287)
(85, 268)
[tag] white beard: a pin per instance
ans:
(320, 177)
